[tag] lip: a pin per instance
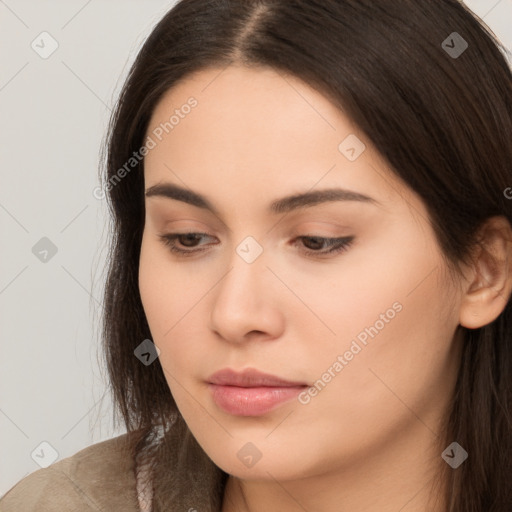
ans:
(251, 392)
(250, 377)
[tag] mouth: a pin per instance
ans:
(250, 377)
(251, 392)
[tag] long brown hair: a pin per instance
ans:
(442, 120)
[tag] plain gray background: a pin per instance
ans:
(53, 386)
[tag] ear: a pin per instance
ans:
(490, 278)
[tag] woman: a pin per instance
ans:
(308, 298)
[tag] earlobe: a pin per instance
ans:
(489, 289)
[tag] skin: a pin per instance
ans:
(369, 440)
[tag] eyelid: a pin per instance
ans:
(337, 244)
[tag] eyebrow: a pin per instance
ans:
(283, 205)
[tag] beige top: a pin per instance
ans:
(99, 477)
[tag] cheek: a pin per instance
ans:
(159, 290)
(170, 303)
(350, 295)
(393, 316)
(405, 369)
(151, 285)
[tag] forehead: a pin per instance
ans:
(253, 106)
(260, 130)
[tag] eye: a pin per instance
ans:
(331, 245)
(169, 240)
(334, 245)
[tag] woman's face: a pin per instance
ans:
(367, 330)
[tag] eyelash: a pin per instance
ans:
(337, 245)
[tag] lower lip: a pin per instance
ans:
(252, 401)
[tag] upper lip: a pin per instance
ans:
(250, 377)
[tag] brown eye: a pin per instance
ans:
(185, 240)
(334, 245)
(315, 245)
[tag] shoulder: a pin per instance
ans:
(98, 477)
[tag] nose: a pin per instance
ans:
(245, 302)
